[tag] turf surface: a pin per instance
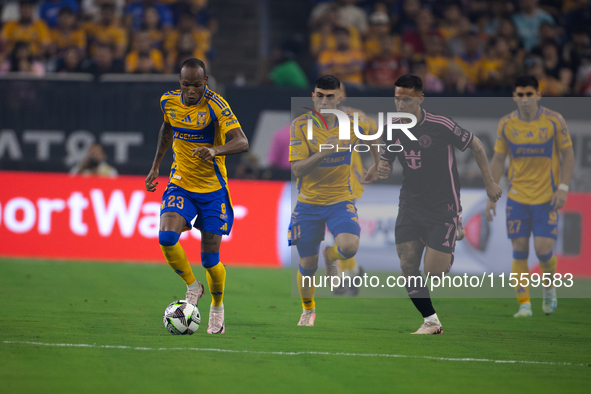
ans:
(121, 305)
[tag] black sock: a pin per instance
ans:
(420, 297)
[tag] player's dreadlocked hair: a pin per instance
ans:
(194, 63)
(328, 82)
(527, 80)
(410, 81)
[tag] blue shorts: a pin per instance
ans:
(308, 223)
(524, 219)
(213, 210)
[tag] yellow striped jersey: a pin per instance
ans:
(330, 182)
(534, 169)
(202, 124)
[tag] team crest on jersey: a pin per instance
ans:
(172, 113)
(515, 134)
(544, 133)
(201, 118)
(457, 131)
(425, 141)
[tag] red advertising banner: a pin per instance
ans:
(58, 216)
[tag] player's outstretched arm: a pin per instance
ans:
(237, 144)
(301, 168)
(497, 168)
(384, 169)
(493, 190)
(164, 140)
(567, 166)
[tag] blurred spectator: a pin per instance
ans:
(67, 34)
(574, 50)
(95, 163)
(495, 60)
(281, 68)
(498, 11)
(383, 70)
(554, 66)
(49, 10)
(26, 29)
(103, 61)
(197, 8)
(349, 14)
(151, 23)
(380, 27)
(134, 12)
(455, 45)
(407, 17)
(344, 62)
(435, 56)
(583, 77)
(22, 60)
(323, 36)
(431, 83)
(91, 9)
(528, 22)
(187, 25)
(450, 24)
(142, 46)
(471, 61)
(508, 32)
(107, 31)
(70, 61)
(425, 26)
(185, 48)
(145, 64)
(548, 85)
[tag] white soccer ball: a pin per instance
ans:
(181, 318)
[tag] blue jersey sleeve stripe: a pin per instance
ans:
(162, 104)
(217, 101)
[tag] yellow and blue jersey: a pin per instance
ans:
(202, 124)
(534, 169)
(330, 182)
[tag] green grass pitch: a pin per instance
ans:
(117, 309)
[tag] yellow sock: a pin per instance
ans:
(522, 293)
(549, 266)
(216, 279)
(306, 292)
(334, 254)
(348, 264)
(177, 259)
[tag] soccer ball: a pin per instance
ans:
(181, 318)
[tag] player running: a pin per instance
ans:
(538, 182)
(430, 195)
(325, 197)
(202, 130)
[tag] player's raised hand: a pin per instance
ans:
(370, 176)
(204, 153)
(150, 185)
(384, 169)
(491, 206)
(558, 199)
(493, 191)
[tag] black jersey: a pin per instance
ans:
(431, 181)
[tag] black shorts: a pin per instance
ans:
(437, 232)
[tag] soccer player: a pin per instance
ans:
(202, 130)
(325, 197)
(535, 137)
(430, 195)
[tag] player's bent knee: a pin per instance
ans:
(348, 251)
(209, 260)
(168, 238)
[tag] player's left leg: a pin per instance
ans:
(343, 223)
(544, 228)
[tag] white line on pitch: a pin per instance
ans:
(303, 353)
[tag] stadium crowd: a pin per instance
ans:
(455, 46)
(103, 36)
